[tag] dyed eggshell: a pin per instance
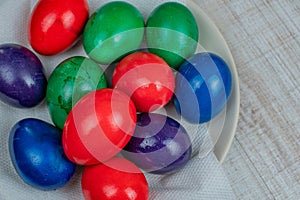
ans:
(203, 86)
(146, 78)
(115, 29)
(99, 126)
(118, 179)
(22, 79)
(159, 145)
(55, 25)
(172, 33)
(37, 154)
(68, 83)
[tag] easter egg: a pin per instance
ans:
(112, 31)
(22, 79)
(55, 25)
(114, 180)
(70, 81)
(159, 144)
(99, 126)
(146, 78)
(37, 154)
(172, 33)
(203, 86)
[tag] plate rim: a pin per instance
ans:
(222, 147)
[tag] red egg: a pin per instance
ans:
(118, 179)
(55, 25)
(146, 78)
(98, 127)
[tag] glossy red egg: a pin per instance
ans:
(118, 179)
(98, 127)
(146, 78)
(55, 25)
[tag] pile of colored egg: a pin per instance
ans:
(94, 123)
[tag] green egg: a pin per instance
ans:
(68, 83)
(114, 30)
(172, 33)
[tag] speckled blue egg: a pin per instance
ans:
(160, 145)
(203, 86)
(37, 154)
(22, 79)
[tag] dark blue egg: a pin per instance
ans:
(203, 86)
(159, 145)
(37, 154)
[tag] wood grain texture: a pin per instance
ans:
(264, 37)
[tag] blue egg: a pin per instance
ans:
(203, 86)
(37, 154)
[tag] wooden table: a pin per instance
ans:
(264, 37)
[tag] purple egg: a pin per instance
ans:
(159, 145)
(22, 79)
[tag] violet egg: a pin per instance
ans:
(37, 154)
(159, 145)
(22, 80)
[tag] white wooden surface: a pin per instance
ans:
(264, 37)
